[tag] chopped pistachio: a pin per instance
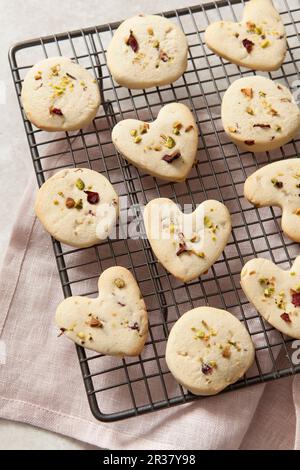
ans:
(269, 291)
(55, 202)
(150, 31)
(70, 203)
(137, 139)
(213, 364)
(293, 273)
(172, 228)
(170, 142)
(262, 94)
(278, 128)
(60, 193)
(200, 334)
(144, 128)
(258, 30)
(250, 111)
(80, 184)
(78, 204)
(155, 44)
(176, 131)
(133, 132)
(207, 222)
(157, 148)
(81, 335)
(120, 283)
(265, 43)
(189, 128)
(226, 352)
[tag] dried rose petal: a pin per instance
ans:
(92, 197)
(62, 331)
(95, 323)
(132, 42)
(206, 369)
(263, 126)
(135, 326)
(249, 142)
(163, 56)
(295, 298)
(182, 248)
(248, 45)
(56, 111)
(170, 158)
(286, 317)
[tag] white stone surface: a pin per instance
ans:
(25, 20)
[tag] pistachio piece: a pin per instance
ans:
(80, 184)
(120, 283)
(70, 203)
(78, 204)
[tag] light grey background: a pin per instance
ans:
(21, 20)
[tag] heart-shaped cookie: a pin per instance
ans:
(165, 148)
(278, 184)
(187, 244)
(147, 51)
(257, 42)
(259, 114)
(274, 293)
(115, 323)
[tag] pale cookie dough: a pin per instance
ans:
(147, 51)
(208, 349)
(165, 148)
(77, 206)
(274, 293)
(115, 323)
(278, 184)
(257, 42)
(60, 95)
(259, 114)
(187, 244)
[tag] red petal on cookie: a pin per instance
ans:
(249, 142)
(295, 298)
(248, 45)
(135, 326)
(182, 248)
(132, 42)
(56, 111)
(206, 369)
(163, 56)
(286, 317)
(263, 126)
(172, 157)
(93, 198)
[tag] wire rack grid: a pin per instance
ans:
(144, 384)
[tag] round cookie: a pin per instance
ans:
(60, 95)
(275, 293)
(165, 148)
(187, 245)
(77, 206)
(278, 184)
(115, 323)
(208, 349)
(147, 51)
(257, 42)
(259, 114)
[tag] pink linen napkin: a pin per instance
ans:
(41, 384)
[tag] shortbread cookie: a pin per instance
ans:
(278, 184)
(115, 323)
(274, 293)
(187, 244)
(77, 206)
(59, 95)
(147, 51)
(208, 349)
(259, 114)
(257, 42)
(165, 148)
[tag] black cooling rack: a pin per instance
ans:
(144, 384)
